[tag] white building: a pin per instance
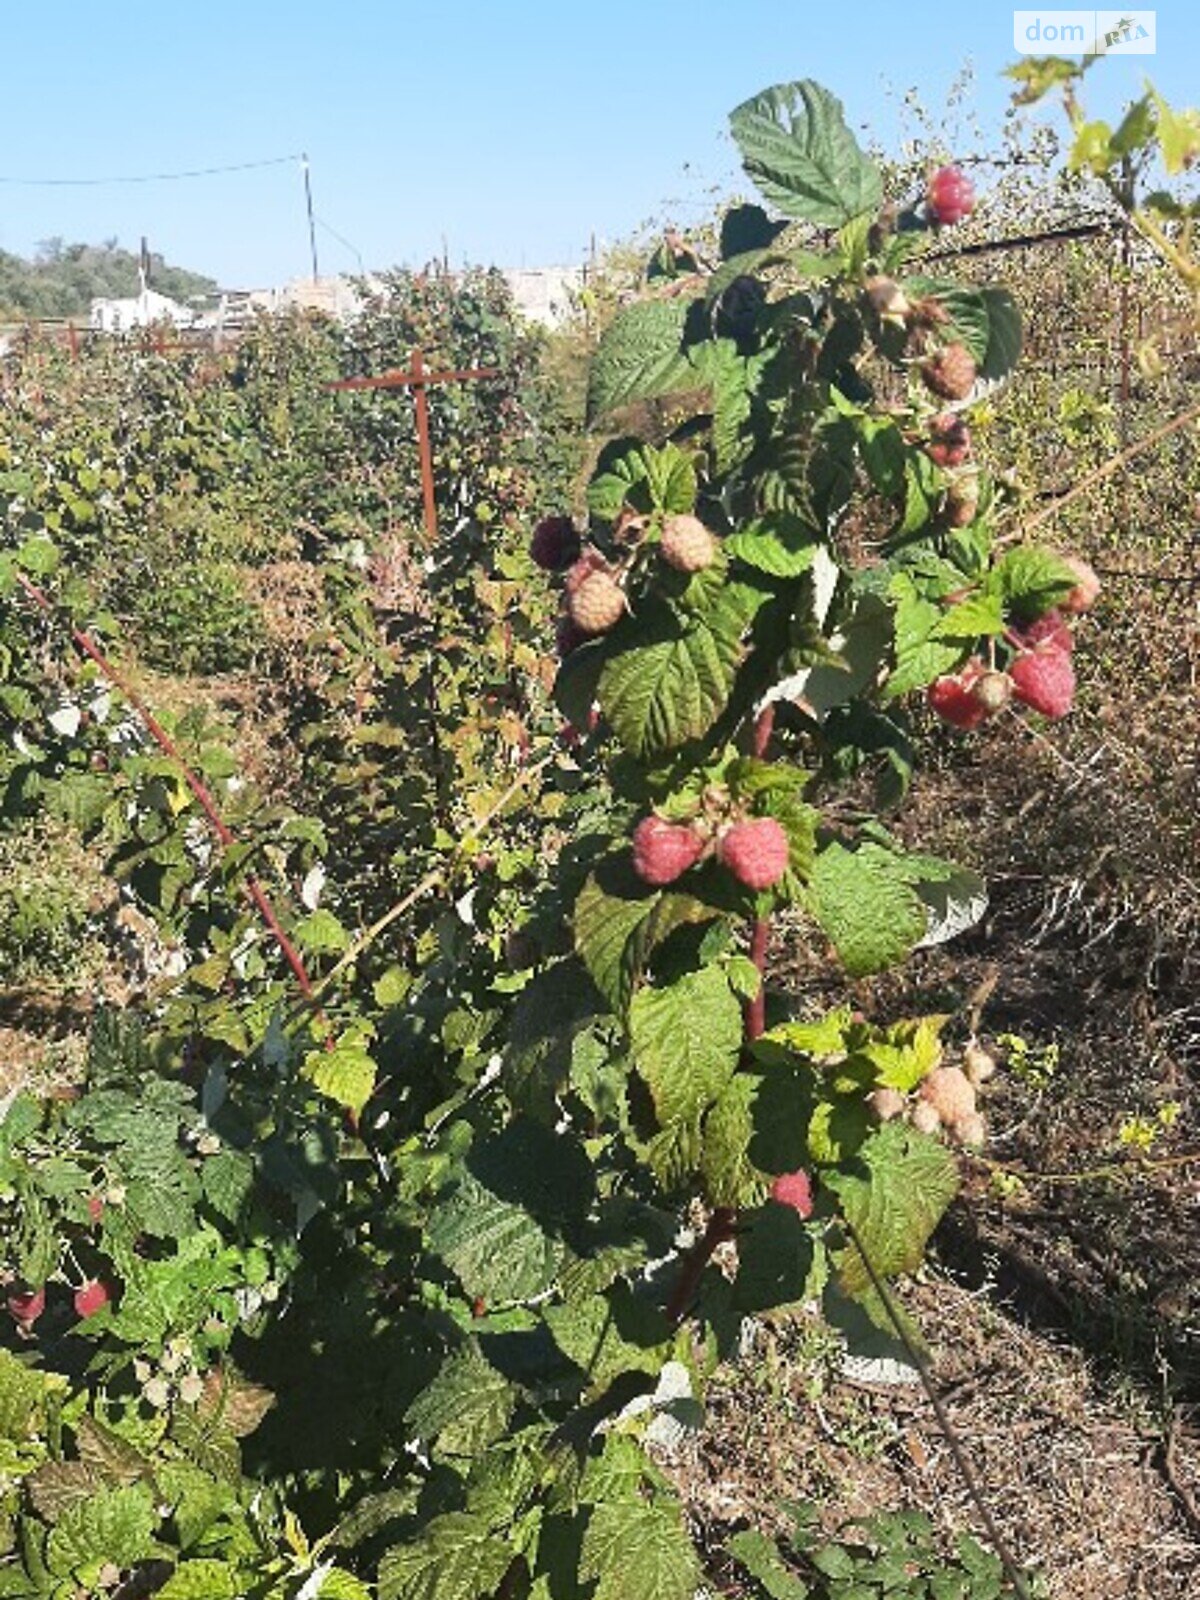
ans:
(139, 311)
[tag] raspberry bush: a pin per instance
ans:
(402, 1283)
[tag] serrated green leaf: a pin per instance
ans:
(895, 1195)
(686, 1039)
(345, 1074)
(465, 1408)
(606, 1335)
(780, 1263)
(639, 1548)
(797, 148)
(1030, 579)
(980, 615)
(457, 1557)
(762, 1561)
(202, 1580)
(730, 1177)
(618, 924)
(671, 680)
(115, 1525)
(498, 1251)
(1005, 335)
(865, 902)
(781, 545)
(640, 355)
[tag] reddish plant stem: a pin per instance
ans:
(722, 1226)
(195, 783)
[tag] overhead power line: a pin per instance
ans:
(150, 177)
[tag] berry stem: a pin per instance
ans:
(722, 1226)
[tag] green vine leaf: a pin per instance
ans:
(457, 1557)
(639, 1548)
(797, 148)
(893, 1196)
(686, 1039)
(465, 1408)
(641, 355)
(618, 924)
(865, 901)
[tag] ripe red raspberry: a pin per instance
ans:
(794, 1189)
(590, 560)
(91, 1297)
(687, 545)
(951, 373)
(597, 604)
(555, 543)
(949, 440)
(950, 196)
(755, 851)
(1083, 596)
(954, 699)
(25, 1306)
(1050, 629)
(1044, 680)
(663, 850)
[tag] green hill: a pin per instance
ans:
(62, 279)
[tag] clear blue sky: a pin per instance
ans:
(512, 130)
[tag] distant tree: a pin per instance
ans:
(63, 279)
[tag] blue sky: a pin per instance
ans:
(512, 131)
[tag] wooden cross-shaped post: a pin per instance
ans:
(418, 379)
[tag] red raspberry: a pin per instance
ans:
(91, 1297)
(1083, 596)
(597, 603)
(950, 196)
(755, 851)
(25, 1306)
(949, 440)
(1051, 629)
(794, 1189)
(663, 850)
(951, 373)
(954, 699)
(555, 543)
(1044, 680)
(687, 545)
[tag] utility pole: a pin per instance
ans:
(312, 226)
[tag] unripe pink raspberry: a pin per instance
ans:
(950, 373)
(925, 1119)
(969, 1130)
(978, 1064)
(755, 851)
(555, 543)
(993, 690)
(962, 498)
(663, 850)
(887, 1104)
(950, 196)
(948, 1090)
(1083, 596)
(794, 1189)
(687, 545)
(1044, 680)
(887, 299)
(949, 440)
(597, 604)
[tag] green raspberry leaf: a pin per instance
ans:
(796, 146)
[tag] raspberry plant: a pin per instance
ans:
(514, 1196)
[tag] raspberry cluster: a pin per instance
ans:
(950, 197)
